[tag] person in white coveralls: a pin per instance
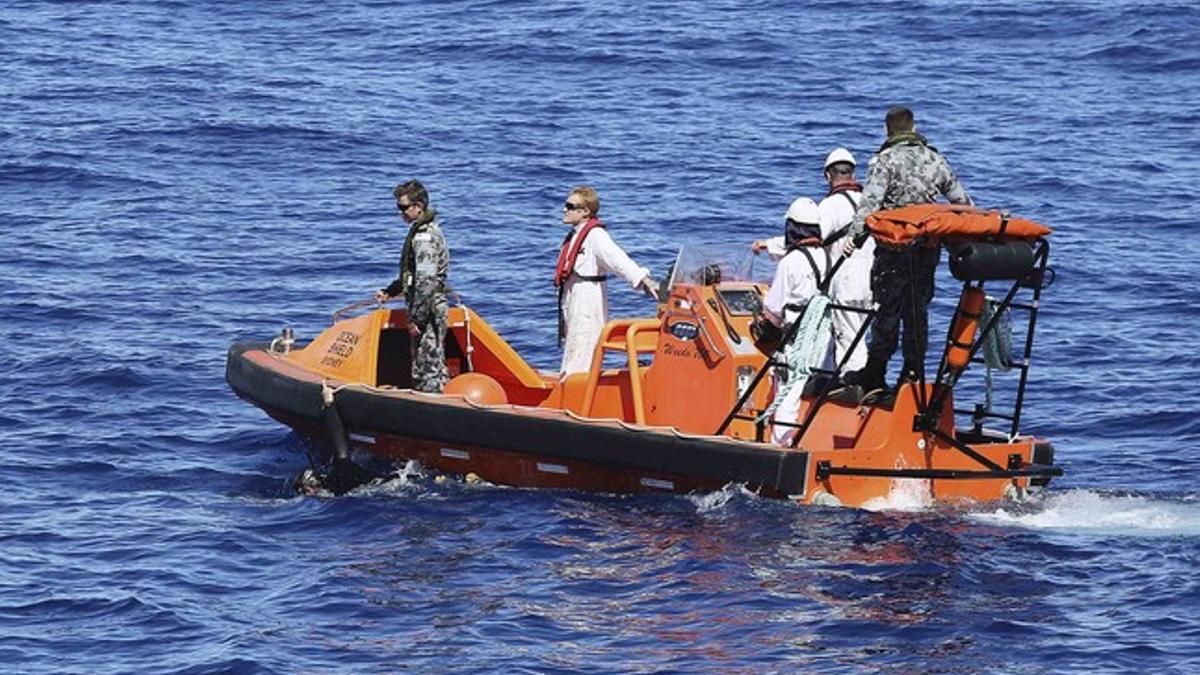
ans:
(588, 255)
(797, 281)
(851, 285)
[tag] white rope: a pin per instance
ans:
(328, 392)
(997, 344)
(806, 351)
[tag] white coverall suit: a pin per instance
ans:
(585, 303)
(852, 283)
(796, 284)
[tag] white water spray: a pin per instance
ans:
(905, 494)
(1088, 511)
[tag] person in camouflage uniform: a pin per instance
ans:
(905, 171)
(424, 264)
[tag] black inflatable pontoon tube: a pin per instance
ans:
(987, 261)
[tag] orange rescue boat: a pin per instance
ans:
(681, 409)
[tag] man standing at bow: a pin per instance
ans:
(424, 264)
(587, 257)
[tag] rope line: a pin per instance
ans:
(806, 352)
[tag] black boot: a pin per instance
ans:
(870, 377)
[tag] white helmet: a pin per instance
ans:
(804, 210)
(839, 155)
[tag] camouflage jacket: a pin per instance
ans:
(906, 171)
(424, 265)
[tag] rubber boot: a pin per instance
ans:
(870, 377)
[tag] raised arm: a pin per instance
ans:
(613, 259)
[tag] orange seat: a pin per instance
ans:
(632, 336)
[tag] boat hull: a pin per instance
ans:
(688, 410)
(871, 455)
(513, 445)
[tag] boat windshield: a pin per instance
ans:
(708, 263)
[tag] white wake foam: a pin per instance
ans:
(710, 502)
(1088, 511)
(410, 478)
(905, 494)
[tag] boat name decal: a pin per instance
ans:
(658, 483)
(684, 351)
(340, 349)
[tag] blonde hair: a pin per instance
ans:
(588, 196)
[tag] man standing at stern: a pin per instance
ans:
(905, 171)
(424, 264)
(851, 286)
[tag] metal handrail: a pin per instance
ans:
(789, 334)
(947, 379)
(338, 315)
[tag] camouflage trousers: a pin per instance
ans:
(902, 285)
(429, 352)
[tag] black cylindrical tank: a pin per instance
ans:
(985, 260)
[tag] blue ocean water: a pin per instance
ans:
(178, 175)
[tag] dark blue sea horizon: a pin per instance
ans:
(176, 176)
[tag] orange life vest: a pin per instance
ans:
(570, 251)
(956, 222)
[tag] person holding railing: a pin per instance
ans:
(424, 265)
(588, 255)
(905, 171)
(851, 286)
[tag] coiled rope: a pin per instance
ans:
(806, 352)
(997, 344)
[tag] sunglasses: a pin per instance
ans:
(405, 207)
(573, 207)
